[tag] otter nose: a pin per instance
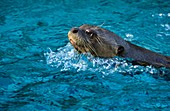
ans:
(74, 30)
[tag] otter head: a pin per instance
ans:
(98, 41)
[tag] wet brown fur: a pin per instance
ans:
(103, 43)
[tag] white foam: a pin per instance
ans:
(66, 59)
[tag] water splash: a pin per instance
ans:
(66, 59)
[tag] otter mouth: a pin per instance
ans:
(80, 48)
(72, 42)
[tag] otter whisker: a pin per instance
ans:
(85, 47)
(92, 48)
(101, 24)
(99, 40)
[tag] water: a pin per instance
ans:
(40, 71)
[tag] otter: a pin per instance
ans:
(106, 44)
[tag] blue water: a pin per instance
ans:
(40, 71)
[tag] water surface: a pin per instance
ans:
(41, 71)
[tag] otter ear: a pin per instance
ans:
(119, 49)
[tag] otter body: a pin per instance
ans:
(103, 43)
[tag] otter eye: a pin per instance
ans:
(90, 33)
